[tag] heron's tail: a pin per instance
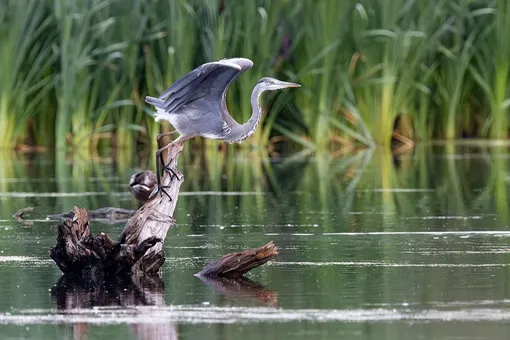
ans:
(158, 103)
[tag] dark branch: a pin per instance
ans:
(235, 265)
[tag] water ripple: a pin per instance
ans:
(387, 264)
(229, 315)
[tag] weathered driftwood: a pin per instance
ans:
(77, 252)
(107, 215)
(139, 248)
(235, 265)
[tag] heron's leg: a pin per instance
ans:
(160, 151)
(161, 163)
(165, 167)
(161, 166)
(161, 189)
(164, 134)
(159, 171)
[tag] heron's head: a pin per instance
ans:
(270, 84)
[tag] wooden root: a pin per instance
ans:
(77, 250)
(235, 265)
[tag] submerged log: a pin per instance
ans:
(141, 185)
(235, 265)
(108, 215)
(139, 248)
(20, 216)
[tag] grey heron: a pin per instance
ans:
(196, 105)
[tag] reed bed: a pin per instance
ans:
(74, 74)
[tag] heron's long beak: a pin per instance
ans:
(286, 84)
(283, 84)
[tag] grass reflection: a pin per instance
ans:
(431, 180)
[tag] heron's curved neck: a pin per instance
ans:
(245, 130)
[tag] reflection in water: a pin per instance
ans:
(74, 294)
(243, 289)
(366, 240)
(77, 296)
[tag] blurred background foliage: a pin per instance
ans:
(74, 73)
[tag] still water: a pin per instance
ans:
(372, 246)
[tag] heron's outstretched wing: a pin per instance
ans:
(205, 86)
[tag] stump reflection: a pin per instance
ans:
(79, 295)
(71, 293)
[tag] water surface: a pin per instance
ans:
(372, 246)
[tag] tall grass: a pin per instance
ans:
(126, 114)
(74, 74)
(323, 53)
(83, 85)
(25, 60)
(453, 83)
(491, 68)
(397, 39)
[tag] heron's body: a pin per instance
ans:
(195, 105)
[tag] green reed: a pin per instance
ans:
(83, 84)
(396, 40)
(132, 28)
(491, 68)
(322, 55)
(25, 60)
(75, 74)
(453, 84)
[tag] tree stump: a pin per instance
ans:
(235, 265)
(139, 248)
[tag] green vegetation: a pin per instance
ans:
(74, 74)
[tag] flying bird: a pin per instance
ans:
(196, 105)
